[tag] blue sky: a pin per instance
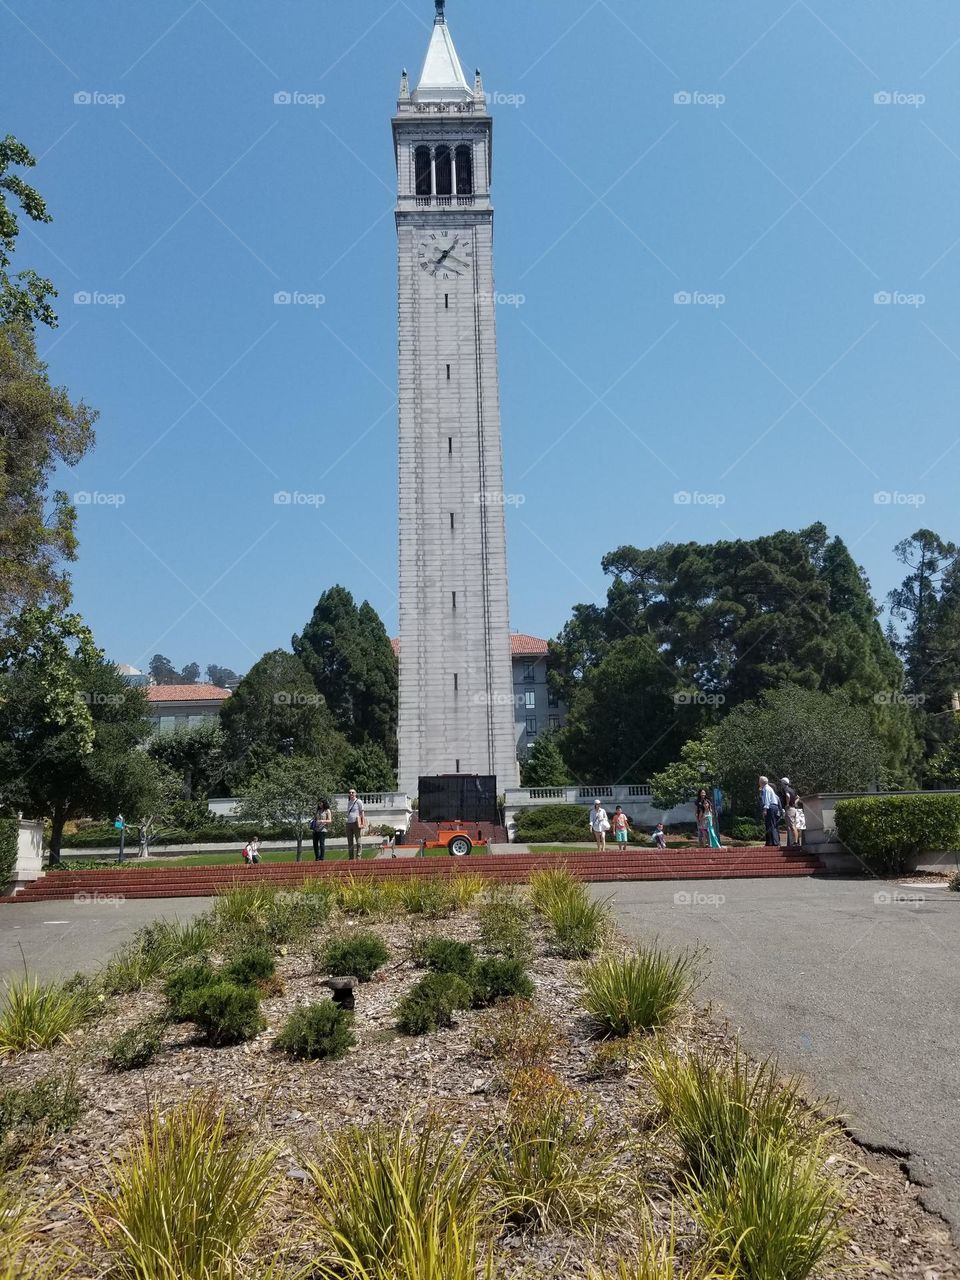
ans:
(782, 166)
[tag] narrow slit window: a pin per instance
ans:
(453, 596)
(456, 682)
(451, 519)
(448, 373)
(464, 160)
(449, 444)
(458, 766)
(446, 301)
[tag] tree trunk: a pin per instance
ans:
(56, 834)
(299, 842)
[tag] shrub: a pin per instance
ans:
(444, 955)
(553, 824)
(639, 991)
(504, 918)
(137, 1046)
(28, 1113)
(578, 924)
(499, 978)
(887, 833)
(182, 984)
(39, 1015)
(358, 955)
(745, 829)
(224, 1012)
(777, 1216)
(185, 1199)
(518, 1035)
(250, 964)
(399, 1201)
(553, 1161)
(317, 1031)
(432, 1002)
(953, 884)
(9, 835)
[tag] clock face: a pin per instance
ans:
(446, 255)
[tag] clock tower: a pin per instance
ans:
(456, 683)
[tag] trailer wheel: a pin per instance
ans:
(460, 847)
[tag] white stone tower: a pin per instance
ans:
(456, 686)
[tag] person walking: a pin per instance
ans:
(710, 825)
(702, 802)
(251, 852)
(320, 825)
(621, 826)
(355, 822)
(788, 802)
(599, 824)
(801, 823)
(770, 808)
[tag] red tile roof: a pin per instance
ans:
(186, 693)
(521, 646)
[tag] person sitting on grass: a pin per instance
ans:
(251, 851)
(621, 826)
(659, 836)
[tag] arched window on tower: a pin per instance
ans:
(465, 171)
(421, 164)
(444, 172)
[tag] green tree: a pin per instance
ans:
(820, 741)
(623, 724)
(274, 710)
(69, 728)
(222, 677)
(348, 653)
(24, 297)
(544, 766)
(195, 755)
(366, 768)
(40, 429)
(190, 673)
(916, 603)
(696, 767)
(944, 768)
(162, 670)
(285, 793)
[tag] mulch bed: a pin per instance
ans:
(295, 1103)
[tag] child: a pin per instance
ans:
(621, 826)
(801, 822)
(251, 851)
(660, 836)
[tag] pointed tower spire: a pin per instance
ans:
(442, 78)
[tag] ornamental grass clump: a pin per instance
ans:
(317, 1031)
(549, 887)
(578, 924)
(38, 1015)
(356, 955)
(399, 1201)
(360, 896)
(517, 1035)
(504, 919)
(433, 898)
(185, 1200)
(553, 1162)
(432, 1002)
(639, 991)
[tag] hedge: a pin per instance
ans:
(887, 833)
(9, 834)
(570, 824)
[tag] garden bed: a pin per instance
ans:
(454, 1074)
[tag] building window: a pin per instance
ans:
(531, 726)
(446, 301)
(554, 722)
(449, 444)
(529, 671)
(457, 770)
(444, 172)
(453, 596)
(464, 171)
(530, 700)
(448, 373)
(456, 682)
(421, 166)
(452, 519)
(552, 699)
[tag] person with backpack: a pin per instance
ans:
(319, 826)
(770, 808)
(251, 851)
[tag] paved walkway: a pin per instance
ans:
(854, 983)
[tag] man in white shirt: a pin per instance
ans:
(770, 804)
(355, 821)
(599, 824)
